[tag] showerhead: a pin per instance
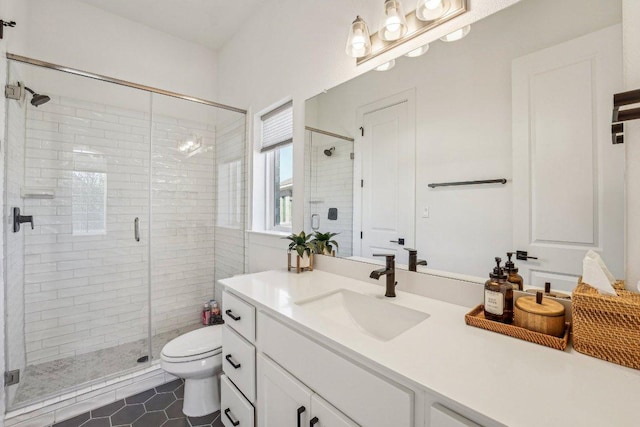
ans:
(36, 98)
(329, 152)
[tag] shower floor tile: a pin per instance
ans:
(56, 377)
(157, 407)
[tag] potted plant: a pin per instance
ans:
(303, 249)
(323, 243)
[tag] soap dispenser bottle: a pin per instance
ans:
(498, 296)
(512, 274)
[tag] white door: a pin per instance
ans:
(568, 178)
(323, 414)
(283, 401)
(386, 147)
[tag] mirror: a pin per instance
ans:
(523, 101)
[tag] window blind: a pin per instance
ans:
(277, 127)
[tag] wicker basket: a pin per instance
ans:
(605, 326)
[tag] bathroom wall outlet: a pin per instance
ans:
(425, 213)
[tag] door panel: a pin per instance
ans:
(388, 173)
(568, 178)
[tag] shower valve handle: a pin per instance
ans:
(20, 219)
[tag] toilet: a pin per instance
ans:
(197, 357)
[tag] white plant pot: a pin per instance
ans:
(305, 261)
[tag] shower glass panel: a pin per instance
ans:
(77, 282)
(139, 205)
(182, 227)
(329, 188)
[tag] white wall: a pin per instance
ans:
(463, 126)
(631, 54)
(72, 33)
(292, 48)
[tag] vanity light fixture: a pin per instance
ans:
(359, 40)
(457, 34)
(418, 52)
(386, 66)
(397, 28)
(428, 10)
(393, 23)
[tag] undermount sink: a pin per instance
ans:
(369, 315)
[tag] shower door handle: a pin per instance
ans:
(136, 229)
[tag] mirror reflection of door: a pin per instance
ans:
(568, 177)
(386, 147)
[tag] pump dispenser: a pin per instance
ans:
(512, 273)
(498, 296)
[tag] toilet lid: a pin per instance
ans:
(201, 341)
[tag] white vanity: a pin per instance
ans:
(318, 349)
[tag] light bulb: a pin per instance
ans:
(418, 52)
(386, 66)
(429, 10)
(358, 42)
(457, 34)
(432, 4)
(393, 23)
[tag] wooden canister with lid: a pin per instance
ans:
(539, 314)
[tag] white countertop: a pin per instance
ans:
(508, 380)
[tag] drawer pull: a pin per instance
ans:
(234, 422)
(235, 365)
(313, 421)
(230, 314)
(300, 412)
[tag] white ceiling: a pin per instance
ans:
(207, 22)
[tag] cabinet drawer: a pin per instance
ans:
(235, 411)
(362, 395)
(240, 315)
(239, 362)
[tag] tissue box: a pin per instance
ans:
(606, 326)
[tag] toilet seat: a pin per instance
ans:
(195, 345)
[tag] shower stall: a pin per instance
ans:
(328, 192)
(137, 198)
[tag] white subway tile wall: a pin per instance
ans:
(86, 284)
(182, 231)
(231, 199)
(329, 184)
(85, 276)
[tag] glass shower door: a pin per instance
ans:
(196, 170)
(77, 296)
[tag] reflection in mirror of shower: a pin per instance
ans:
(315, 222)
(329, 185)
(78, 299)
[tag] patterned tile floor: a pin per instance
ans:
(158, 407)
(56, 377)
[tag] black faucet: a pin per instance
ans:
(414, 262)
(390, 272)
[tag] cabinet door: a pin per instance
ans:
(325, 415)
(283, 401)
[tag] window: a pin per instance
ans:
(277, 150)
(89, 202)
